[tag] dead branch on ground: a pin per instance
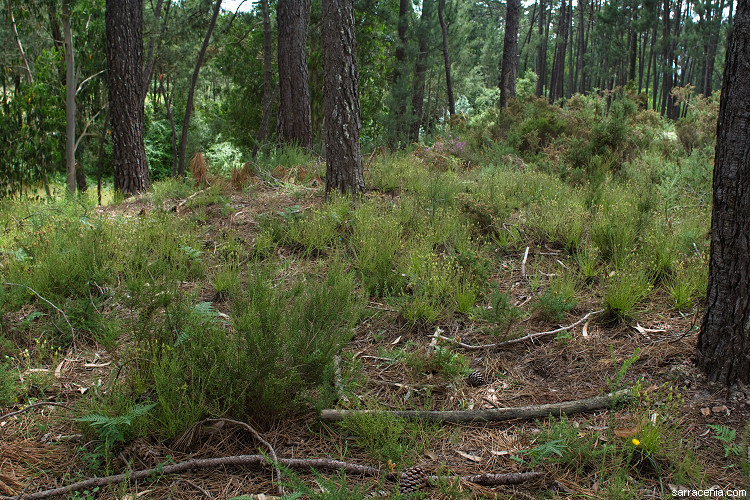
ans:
(494, 414)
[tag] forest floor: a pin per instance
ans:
(390, 364)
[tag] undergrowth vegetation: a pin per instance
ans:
(206, 322)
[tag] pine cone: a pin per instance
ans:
(476, 379)
(412, 480)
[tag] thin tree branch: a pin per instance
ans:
(85, 128)
(80, 85)
(18, 43)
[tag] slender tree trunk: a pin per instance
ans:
(571, 61)
(558, 67)
(124, 26)
(168, 106)
(269, 90)
(294, 123)
(641, 58)
(398, 126)
(70, 101)
(578, 84)
(447, 59)
(420, 69)
(150, 55)
(723, 351)
(341, 98)
(541, 68)
(509, 62)
(100, 158)
(191, 91)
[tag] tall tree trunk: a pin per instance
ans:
(420, 69)
(579, 84)
(558, 66)
(191, 90)
(70, 102)
(509, 62)
(447, 59)
(571, 62)
(294, 123)
(713, 41)
(667, 57)
(398, 127)
(124, 27)
(723, 351)
(269, 91)
(150, 55)
(541, 57)
(341, 98)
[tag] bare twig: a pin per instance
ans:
(530, 336)
(27, 408)
(72, 331)
(207, 463)
(493, 414)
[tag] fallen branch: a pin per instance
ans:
(27, 408)
(494, 414)
(530, 336)
(206, 463)
(72, 331)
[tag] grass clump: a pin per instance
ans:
(625, 288)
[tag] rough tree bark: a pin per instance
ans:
(724, 341)
(191, 91)
(447, 59)
(124, 27)
(294, 125)
(509, 62)
(420, 69)
(341, 98)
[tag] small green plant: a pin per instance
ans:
(113, 430)
(10, 387)
(501, 311)
(727, 437)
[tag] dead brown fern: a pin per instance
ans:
(241, 176)
(199, 169)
